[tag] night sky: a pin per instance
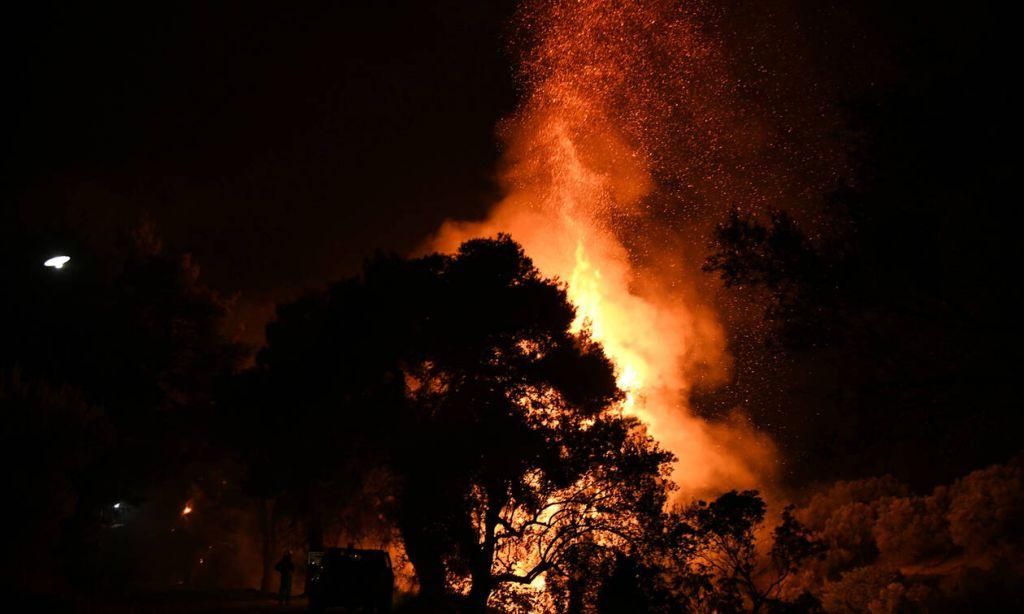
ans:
(282, 144)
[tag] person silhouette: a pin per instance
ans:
(286, 568)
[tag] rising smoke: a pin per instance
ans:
(633, 134)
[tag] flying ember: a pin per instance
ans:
(587, 154)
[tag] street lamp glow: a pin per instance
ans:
(57, 262)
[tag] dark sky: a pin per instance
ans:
(280, 144)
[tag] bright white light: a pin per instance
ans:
(57, 262)
(117, 506)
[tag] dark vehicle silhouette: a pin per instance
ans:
(350, 578)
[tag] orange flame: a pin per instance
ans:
(580, 169)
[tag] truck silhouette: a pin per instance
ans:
(350, 578)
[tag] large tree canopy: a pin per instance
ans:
(505, 438)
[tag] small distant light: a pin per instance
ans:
(187, 510)
(117, 506)
(57, 262)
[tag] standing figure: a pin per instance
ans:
(286, 568)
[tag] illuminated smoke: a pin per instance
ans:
(629, 133)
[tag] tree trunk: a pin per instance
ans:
(425, 555)
(481, 590)
(268, 531)
(576, 596)
(483, 582)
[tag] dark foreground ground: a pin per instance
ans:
(190, 602)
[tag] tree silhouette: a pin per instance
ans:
(886, 304)
(516, 425)
(721, 536)
(309, 420)
(133, 335)
(499, 425)
(804, 284)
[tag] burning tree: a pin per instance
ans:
(514, 427)
(507, 446)
(719, 537)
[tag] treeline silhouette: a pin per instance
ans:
(448, 397)
(443, 407)
(458, 384)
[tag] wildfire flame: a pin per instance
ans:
(584, 159)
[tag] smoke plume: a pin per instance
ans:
(630, 134)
